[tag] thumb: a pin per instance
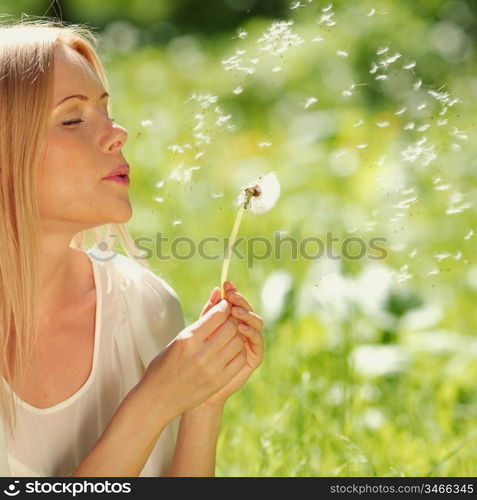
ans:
(213, 299)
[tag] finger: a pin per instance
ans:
(233, 367)
(211, 320)
(248, 317)
(222, 336)
(231, 349)
(227, 286)
(213, 299)
(238, 299)
(254, 339)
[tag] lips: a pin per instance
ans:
(121, 171)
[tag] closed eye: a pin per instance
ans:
(73, 122)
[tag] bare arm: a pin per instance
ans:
(126, 443)
(195, 451)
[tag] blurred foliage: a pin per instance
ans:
(365, 111)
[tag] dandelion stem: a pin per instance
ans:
(233, 236)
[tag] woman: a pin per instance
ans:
(97, 365)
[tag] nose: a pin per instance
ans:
(120, 136)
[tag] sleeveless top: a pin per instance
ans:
(137, 315)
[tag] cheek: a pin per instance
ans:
(66, 174)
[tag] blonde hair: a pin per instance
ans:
(26, 82)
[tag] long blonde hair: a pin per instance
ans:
(26, 82)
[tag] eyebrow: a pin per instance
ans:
(81, 97)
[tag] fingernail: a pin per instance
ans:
(213, 295)
(239, 310)
(223, 304)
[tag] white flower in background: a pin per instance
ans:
(260, 196)
(377, 360)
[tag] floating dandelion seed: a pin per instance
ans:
(382, 124)
(469, 235)
(310, 101)
(264, 144)
(341, 53)
(238, 90)
(371, 12)
(410, 65)
(258, 197)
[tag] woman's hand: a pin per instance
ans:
(250, 327)
(204, 358)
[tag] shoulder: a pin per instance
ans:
(143, 284)
(145, 295)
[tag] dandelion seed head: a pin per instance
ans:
(146, 123)
(260, 196)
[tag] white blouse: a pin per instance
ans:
(137, 315)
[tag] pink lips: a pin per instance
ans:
(119, 174)
(121, 179)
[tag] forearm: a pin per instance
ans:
(126, 443)
(196, 445)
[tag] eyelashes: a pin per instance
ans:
(73, 122)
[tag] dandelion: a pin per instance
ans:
(258, 197)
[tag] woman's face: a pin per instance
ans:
(73, 193)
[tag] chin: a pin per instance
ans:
(118, 214)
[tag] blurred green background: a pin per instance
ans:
(365, 111)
